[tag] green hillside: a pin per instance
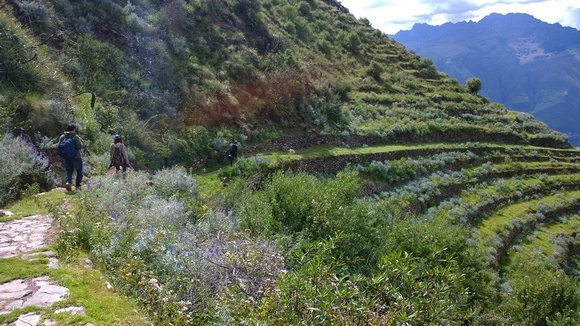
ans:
(370, 188)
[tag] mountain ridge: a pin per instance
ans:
(524, 63)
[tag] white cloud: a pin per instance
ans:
(393, 16)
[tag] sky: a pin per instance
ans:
(392, 16)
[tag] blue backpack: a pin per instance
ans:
(67, 148)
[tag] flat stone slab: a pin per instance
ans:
(28, 319)
(38, 292)
(13, 290)
(23, 235)
(72, 310)
(46, 296)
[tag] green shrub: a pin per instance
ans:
(290, 27)
(312, 293)
(418, 292)
(303, 30)
(352, 42)
(244, 167)
(302, 206)
(145, 144)
(474, 85)
(22, 166)
(35, 12)
(196, 146)
(427, 69)
(342, 88)
(100, 65)
(304, 8)
(19, 69)
(140, 231)
(375, 70)
(33, 112)
(542, 296)
(304, 203)
(324, 45)
(441, 245)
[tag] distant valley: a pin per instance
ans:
(524, 63)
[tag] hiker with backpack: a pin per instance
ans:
(118, 154)
(69, 146)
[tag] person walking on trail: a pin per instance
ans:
(70, 146)
(118, 155)
(233, 152)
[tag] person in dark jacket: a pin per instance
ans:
(75, 163)
(233, 152)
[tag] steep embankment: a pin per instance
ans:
(179, 80)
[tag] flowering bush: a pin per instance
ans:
(174, 183)
(140, 230)
(22, 165)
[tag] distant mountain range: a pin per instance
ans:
(524, 63)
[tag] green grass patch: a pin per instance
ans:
(542, 240)
(209, 187)
(500, 219)
(88, 289)
(278, 157)
(529, 167)
(35, 205)
(15, 268)
(8, 219)
(543, 247)
(13, 315)
(475, 195)
(327, 151)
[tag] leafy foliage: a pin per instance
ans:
(474, 85)
(22, 167)
(172, 260)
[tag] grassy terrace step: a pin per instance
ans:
(448, 183)
(455, 189)
(478, 201)
(551, 244)
(468, 168)
(316, 159)
(321, 145)
(499, 230)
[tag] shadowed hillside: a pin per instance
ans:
(167, 74)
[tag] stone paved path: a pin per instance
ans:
(23, 235)
(27, 238)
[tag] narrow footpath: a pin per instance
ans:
(27, 238)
